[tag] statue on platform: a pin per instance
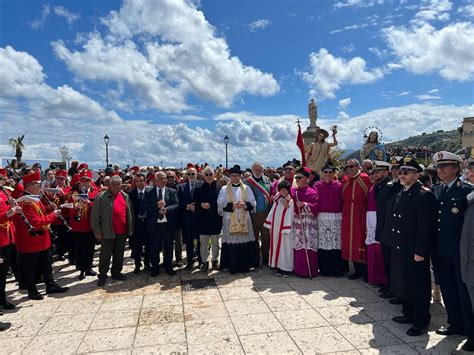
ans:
(318, 152)
(372, 149)
(312, 113)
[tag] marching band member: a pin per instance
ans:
(34, 247)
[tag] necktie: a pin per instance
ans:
(140, 195)
(160, 195)
(191, 188)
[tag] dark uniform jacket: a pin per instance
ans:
(208, 221)
(383, 232)
(452, 206)
(413, 226)
(467, 243)
(172, 205)
(384, 192)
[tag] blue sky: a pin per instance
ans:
(167, 80)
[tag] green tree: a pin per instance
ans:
(18, 145)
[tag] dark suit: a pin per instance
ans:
(161, 233)
(188, 218)
(139, 238)
(412, 225)
(452, 206)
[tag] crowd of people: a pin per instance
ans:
(418, 151)
(395, 221)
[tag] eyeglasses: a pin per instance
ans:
(171, 177)
(350, 166)
(209, 174)
(162, 178)
(298, 177)
(328, 172)
(405, 172)
(190, 174)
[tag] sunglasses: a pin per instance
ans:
(328, 172)
(405, 172)
(209, 174)
(350, 166)
(298, 177)
(190, 174)
(171, 177)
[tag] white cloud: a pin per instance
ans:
(70, 17)
(431, 10)
(433, 91)
(258, 25)
(252, 117)
(342, 116)
(425, 49)
(404, 93)
(348, 49)
(467, 11)
(380, 53)
(161, 52)
(357, 3)
(39, 23)
(350, 27)
(345, 102)
(427, 97)
(327, 73)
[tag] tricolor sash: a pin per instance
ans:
(260, 186)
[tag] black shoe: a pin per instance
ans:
(154, 273)
(36, 296)
(55, 288)
(384, 289)
(354, 276)
(119, 277)
(179, 263)
(82, 275)
(468, 345)
(171, 272)
(7, 305)
(189, 266)
(402, 319)
(61, 258)
(22, 286)
(365, 279)
(147, 268)
(101, 281)
(91, 272)
(215, 265)
(4, 326)
(449, 331)
(205, 266)
(417, 331)
(136, 271)
(387, 295)
(395, 300)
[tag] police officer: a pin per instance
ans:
(412, 226)
(451, 194)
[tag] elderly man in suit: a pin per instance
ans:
(161, 205)
(187, 211)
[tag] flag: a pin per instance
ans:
(300, 144)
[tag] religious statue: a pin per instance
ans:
(372, 149)
(318, 152)
(312, 113)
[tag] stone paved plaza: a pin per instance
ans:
(247, 313)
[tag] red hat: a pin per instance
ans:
(85, 174)
(150, 177)
(135, 169)
(3, 172)
(190, 165)
(115, 173)
(62, 174)
(18, 191)
(75, 179)
(83, 166)
(32, 177)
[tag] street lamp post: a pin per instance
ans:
(226, 142)
(106, 140)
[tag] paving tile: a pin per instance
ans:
(204, 311)
(308, 286)
(107, 339)
(285, 303)
(322, 299)
(163, 314)
(219, 332)
(236, 293)
(68, 323)
(113, 352)
(403, 349)
(157, 334)
(281, 289)
(361, 296)
(36, 309)
(256, 323)
(76, 307)
(175, 348)
(246, 306)
(157, 300)
(202, 297)
(111, 303)
(341, 284)
(381, 310)
(115, 319)
(269, 343)
(320, 340)
(300, 319)
(400, 331)
(24, 327)
(344, 314)
(445, 345)
(14, 345)
(367, 335)
(59, 343)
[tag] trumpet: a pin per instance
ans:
(43, 195)
(13, 203)
(80, 198)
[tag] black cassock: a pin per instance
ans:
(413, 223)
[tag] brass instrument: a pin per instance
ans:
(13, 203)
(81, 198)
(43, 195)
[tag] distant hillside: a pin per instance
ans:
(436, 141)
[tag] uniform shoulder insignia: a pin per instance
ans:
(424, 188)
(390, 183)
